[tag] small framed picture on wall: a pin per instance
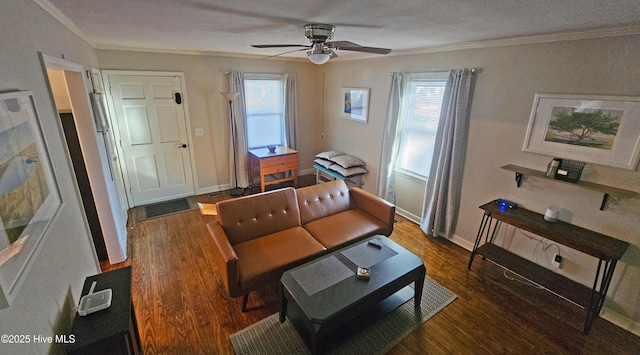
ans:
(355, 104)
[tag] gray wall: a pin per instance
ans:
(53, 284)
(205, 78)
(505, 87)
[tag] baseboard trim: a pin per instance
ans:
(621, 321)
(461, 242)
(213, 189)
(307, 172)
(408, 215)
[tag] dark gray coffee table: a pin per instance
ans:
(325, 293)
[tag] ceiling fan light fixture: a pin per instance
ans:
(319, 58)
(319, 54)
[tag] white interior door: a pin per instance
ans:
(152, 131)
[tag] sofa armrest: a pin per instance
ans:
(225, 259)
(374, 206)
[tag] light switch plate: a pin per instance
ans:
(199, 131)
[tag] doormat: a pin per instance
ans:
(269, 336)
(165, 208)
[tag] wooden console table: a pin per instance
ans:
(608, 250)
(281, 161)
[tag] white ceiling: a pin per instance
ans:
(231, 26)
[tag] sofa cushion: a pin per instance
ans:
(264, 259)
(347, 161)
(356, 170)
(345, 228)
(328, 155)
(322, 200)
(323, 162)
(249, 217)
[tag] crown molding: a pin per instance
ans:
(568, 36)
(64, 20)
(192, 52)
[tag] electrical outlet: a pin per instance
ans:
(557, 261)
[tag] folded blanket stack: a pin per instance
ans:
(343, 164)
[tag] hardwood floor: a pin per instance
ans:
(182, 307)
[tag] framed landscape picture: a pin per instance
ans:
(355, 104)
(29, 195)
(601, 130)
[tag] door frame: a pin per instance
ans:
(116, 130)
(112, 223)
(116, 173)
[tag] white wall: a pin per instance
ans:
(54, 282)
(205, 78)
(508, 79)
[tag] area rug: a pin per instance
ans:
(165, 208)
(269, 336)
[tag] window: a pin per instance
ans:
(265, 110)
(420, 116)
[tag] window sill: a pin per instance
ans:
(410, 174)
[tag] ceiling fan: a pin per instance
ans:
(320, 50)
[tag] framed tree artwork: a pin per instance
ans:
(601, 130)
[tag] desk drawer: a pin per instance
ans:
(279, 163)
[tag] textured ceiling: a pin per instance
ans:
(402, 25)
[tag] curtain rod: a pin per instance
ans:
(229, 71)
(473, 70)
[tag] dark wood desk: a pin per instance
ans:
(281, 161)
(112, 330)
(608, 250)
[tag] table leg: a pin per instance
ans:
(317, 339)
(295, 177)
(261, 180)
(251, 172)
(283, 307)
(486, 217)
(417, 297)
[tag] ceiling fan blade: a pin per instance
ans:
(279, 54)
(367, 49)
(350, 46)
(279, 45)
(340, 44)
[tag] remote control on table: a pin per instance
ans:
(375, 243)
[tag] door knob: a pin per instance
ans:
(183, 145)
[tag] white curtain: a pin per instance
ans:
(445, 178)
(290, 111)
(390, 143)
(236, 84)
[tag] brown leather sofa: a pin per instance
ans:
(258, 237)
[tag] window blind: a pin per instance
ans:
(421, 111)
(265, 111)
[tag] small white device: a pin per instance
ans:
(93, 302)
